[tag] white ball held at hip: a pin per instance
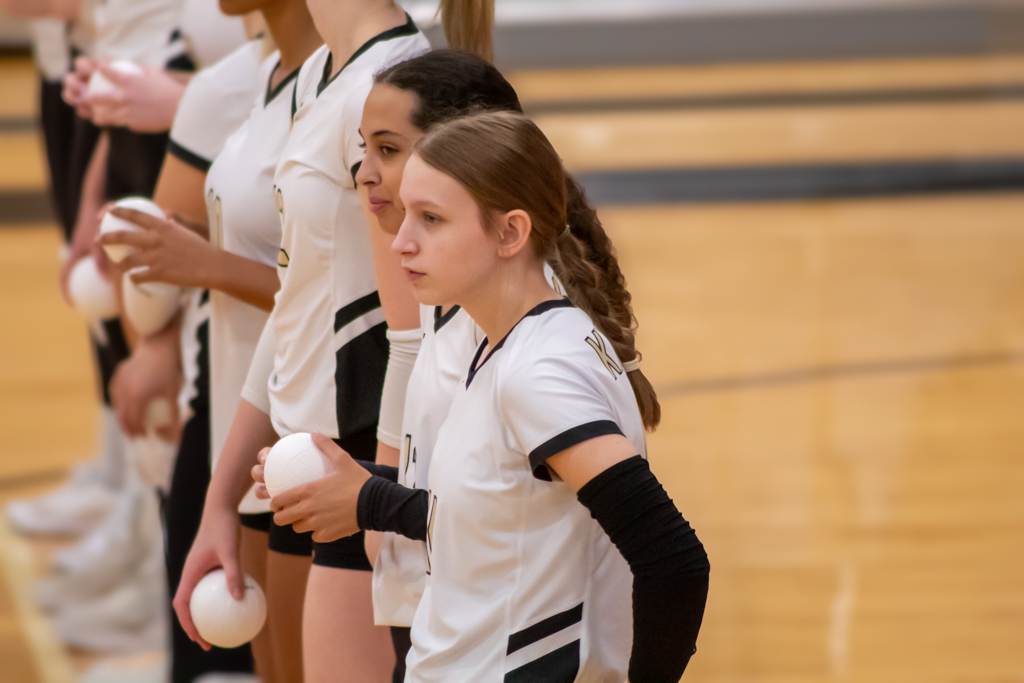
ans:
(220, 619)
(92, 293)
(111, 223)
(100, 85)
(151, 305)
(292, 461)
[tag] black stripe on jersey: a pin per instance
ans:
(442, 320)
(295, 107)
(188, 156)
(407, 29)
(355, 169)
(545, 628)
(357, 308)
(204, 298)
(558, 666)
(359, 380)
(542, 307)
(570, 438)
(272, 93)
(180, 63)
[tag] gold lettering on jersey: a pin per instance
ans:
(408, 452)
(282, 258)
(431, 516)
(598, 343)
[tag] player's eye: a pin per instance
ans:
(431, 219)
(387, 150)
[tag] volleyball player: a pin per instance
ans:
(237, 265)
(541, 465)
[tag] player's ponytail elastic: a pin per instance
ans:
(505, 162)
(469, 25)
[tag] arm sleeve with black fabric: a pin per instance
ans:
(383, 471)
(670, 567)
(384, 505)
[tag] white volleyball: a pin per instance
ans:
(220, 619)
(151, 305)
(292, 461)
(92, 293)
(100, 85)
(111, 223)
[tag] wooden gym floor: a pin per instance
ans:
(842, 375)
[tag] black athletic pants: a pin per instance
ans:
(182, 511)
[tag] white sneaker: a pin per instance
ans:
(73, 509)
(124, 536)
(110, 556)
(131, 618)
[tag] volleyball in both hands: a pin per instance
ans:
(111, 223)
(92, 294)
(292, 461)
(220, 619)
(100, 85)
(149, 305)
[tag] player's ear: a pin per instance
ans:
(513, 230)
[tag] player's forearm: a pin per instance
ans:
(250, 432)
(254, 283)
(94, 187)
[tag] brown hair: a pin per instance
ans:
(505, 162)
(469, 25)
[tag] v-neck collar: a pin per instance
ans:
(272, 93)
(442, 320)
(542, 307)
(407, 29)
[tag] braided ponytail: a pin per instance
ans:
(505, 162)
(586, 264)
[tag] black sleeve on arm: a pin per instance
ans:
(384, 505)
(384, 471)
(669, 565)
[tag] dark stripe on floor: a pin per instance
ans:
(775, 183)
(922, 29)
(31, 206)
(781, 378)
(774, 100)
(18, 124)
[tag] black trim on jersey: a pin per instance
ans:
(357, 308)
(188, 156)
(295, 107)
(409, 28)
(359, 380)
(355, 169)
(570, 438)
(542, 307)
(272, 93)
(175, 35)
(204, 298)
(442, 320)
(545, 628)
(558, 666)
(180, 63)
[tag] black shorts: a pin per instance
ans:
(345, 553)
(257, 521)
(285, 540)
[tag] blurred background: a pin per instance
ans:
(819, 208)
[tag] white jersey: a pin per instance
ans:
(244, 220)
(216, 102)
(449, 342)
(211, 35)
(146, 32)
(523, 583)
(331, 349)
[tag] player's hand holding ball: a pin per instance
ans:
(143, 99)
(327, 505)
(160, 250)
